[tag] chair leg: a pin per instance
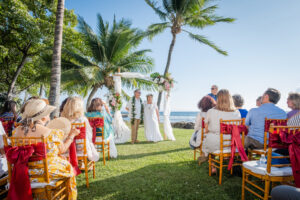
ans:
(86, 173)
(209, 164)
(267, 190)
(108, 154)
(94, 172)
(103, 153)
(243, 185)
(194, 154)
(221, 170)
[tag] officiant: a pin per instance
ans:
(136, 112)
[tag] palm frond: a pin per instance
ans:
(155, 29)
(162, 15)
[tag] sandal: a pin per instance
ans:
(202, 159)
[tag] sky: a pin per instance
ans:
(263, 47)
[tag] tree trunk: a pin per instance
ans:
(167, 66)
(56, 59)
(17, 73)
(93, 92)
(25, 96)
(41, 90)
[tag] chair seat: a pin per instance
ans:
(99, 139)
(42, 185)
(224, 151)
(254, 167)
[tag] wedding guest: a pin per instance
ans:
(285, 192)
(294, 120)
(74, 111)
(96, 110)
(151, 120)
(238, 103)
(204, 105)
(214, 91)
(293, 102)
(62, 105)
(255, 119)
(9, 110)
(258, 101)
(225, 110)
(3, 161)
(135, 108)
(36, 114)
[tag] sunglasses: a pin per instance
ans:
(213, 88)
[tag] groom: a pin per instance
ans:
(136, 110)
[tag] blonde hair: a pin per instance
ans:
(295, 99)
(73, 109)
(225, 101)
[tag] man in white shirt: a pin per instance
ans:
(135, 109)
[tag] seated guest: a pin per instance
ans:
(204, 105)
(255, 119)
(3, 162)
(294, 120)
(285, 192)
(10, 110)
(96, 110)
(36, 114)
(238, 103)
(224, 110)
(62, 105)
(293, 102)
(258, 101)
(214, 91)
(74, 111)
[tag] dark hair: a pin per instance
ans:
(96, 102)
(63, 103)
(259, 98)
(274, 95)
(10, 106)
(238, 100)
(206, 103)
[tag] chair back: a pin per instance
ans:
(268, 123)
(27, 141)
(97, 123)
(80, 139)
(226, 143)
(278, 138)
(7, 123)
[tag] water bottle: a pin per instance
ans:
(262, 161)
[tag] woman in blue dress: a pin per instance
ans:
(96, 110)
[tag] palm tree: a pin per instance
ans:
(56, 58)
(178, 14)
(113, 48)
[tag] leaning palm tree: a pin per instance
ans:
(56, 57)
(179, 14)
(112, 49)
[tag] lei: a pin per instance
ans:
(133, 111)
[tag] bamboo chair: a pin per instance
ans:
(199, 149)
(82, 152)
(55, 189)
(101, 145)
(268, 123)
(273, 173)
(217, 158)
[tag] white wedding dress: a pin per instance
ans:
(152, 132)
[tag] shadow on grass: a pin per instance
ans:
(181, 180)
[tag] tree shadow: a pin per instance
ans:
(180, 180)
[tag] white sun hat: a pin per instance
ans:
(60, 123)
(36, 109)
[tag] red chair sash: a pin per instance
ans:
(7, 125)
(203, 123)
(236, 141)
(19, 156)
(96, 123)
(282, 122)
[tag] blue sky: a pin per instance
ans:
(263, 46)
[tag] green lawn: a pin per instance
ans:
(164, 170)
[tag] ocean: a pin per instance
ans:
(174, 116)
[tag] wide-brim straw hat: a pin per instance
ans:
(37, 109)
(60, 123)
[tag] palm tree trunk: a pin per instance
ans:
(93, 92)
(41, 90)
(56, 59)
(167, 66)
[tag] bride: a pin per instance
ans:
(151, 120)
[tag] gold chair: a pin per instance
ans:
(268, 123)
(102, 146)
(3, 183)
(83, 162)
(216, 159)
(56, 189)
(199, 149)
(272, 173)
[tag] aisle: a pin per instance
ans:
(163, 170)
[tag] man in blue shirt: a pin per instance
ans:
(214, 92)
(255, 119)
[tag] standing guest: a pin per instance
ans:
(214, 92)
(224, 110)
(204, 105)
(238, 103)
(293, 102)
(255, 119)
(74, 111)
(10, 110)
(258, 101)
(151, 117)
(136, 111)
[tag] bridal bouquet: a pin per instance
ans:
(165, 83)
(115, 101)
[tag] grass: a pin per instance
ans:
(164, 170)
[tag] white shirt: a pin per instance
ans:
(138, 108)
(2, 132)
